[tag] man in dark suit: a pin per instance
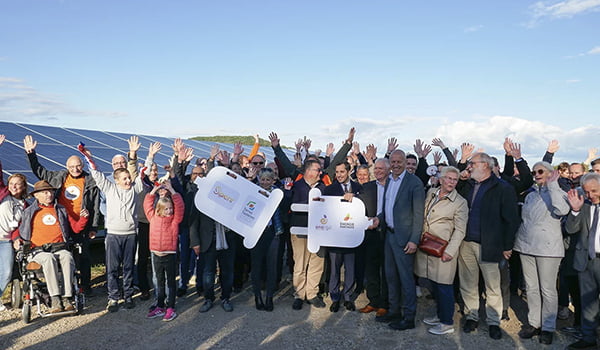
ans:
(376, 285)
(402, 218)
(583, 221)
(342, 186)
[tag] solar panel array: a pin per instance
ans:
(55, 145)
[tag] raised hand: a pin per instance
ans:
(306, 144)
(437, 157)
(575, 200)
(330, 149)
(256, 139)
(178, 145)
(2, 138)
(507, 146)
(592, 154)
(29, 144)
(455, 153)
(252, 171)
(297, 160)
(318, 152)
(237, 149)
(134, 144)
(553, 146)
(274, 139)
(438, 142)
(392, 145)
(371, 153)
(154, 148)
(466, 151)
(515, 150)
(298, 145)
(351, 133)
(224, 158)
(214, 150)
(355, 147)
(187, 154)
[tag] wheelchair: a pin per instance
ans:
(31, 289)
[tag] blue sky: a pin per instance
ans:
(473, 71)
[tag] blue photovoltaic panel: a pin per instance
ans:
(61, 135)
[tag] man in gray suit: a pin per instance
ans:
(583, 221)
(402, 220)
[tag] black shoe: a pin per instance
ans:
(335, 307)
(269, 304)
(495, 332)
(402, 325)
(470, 326)
(546, 337)
(88, 292)
(582, 344)
(181, 292)
(317, 302)
(206, 306)
(199, 291)
(297, 305)
(259, 302)
(505, 316)
(129, 304)
(145, 295)
(349, 305)
(527, 332)
(113, 306)
(389, 317)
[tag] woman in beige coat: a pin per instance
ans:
(446, 214)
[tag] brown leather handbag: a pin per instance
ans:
(432, 245)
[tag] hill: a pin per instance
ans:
(245, 140)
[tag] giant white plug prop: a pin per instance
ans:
(236, 203)
(332, 222)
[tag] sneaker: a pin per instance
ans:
(317, 302)
(441, 328)
(432, 321)
(563, 312)
(156, 312)
(226, 304)
(206, 306)
(170, 315)
(2, 307)
(113, 306)
(68, 304)
(297, 305)
(528, 332)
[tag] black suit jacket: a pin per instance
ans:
(580, 225)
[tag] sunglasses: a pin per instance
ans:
(258, 163)
(539, 172)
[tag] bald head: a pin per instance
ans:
(74, 166)
(119, 161)
(397, 163)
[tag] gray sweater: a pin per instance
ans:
(121, 205)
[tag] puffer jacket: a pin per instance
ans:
(164, 230)
(540, 232)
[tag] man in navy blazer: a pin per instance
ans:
(402, 220)
(583, 221)
(342, 186)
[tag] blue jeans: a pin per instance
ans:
(120, 249)
(225, 259)
(6, 264)
(444, 298)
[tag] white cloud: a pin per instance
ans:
(594, 51)
(573, 81)
(473, 28)
(21, 102)
(563, 9)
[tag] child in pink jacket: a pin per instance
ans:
(164, 219)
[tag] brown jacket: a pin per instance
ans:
(446, 219)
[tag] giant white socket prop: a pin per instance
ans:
(237, 203)
(332, 222)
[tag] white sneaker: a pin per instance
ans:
(441, 329)
(2, 307)
(419, 292)
(432, 321)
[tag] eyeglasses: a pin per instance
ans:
(451, 179)
(539, 172)
(258, 163)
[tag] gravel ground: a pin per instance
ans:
(248, 328)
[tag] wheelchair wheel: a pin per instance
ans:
(16, 295)
(26, 313)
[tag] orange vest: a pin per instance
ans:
(71, 195)
(45, 227)
(324, 179)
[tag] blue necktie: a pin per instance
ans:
(592, 235)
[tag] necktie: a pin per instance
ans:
(346, 188)
(592, 235)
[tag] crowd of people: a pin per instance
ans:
(520, 231)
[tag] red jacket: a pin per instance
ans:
(164, 230)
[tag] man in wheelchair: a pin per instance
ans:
(47, 227)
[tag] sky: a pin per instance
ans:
(464, 71)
